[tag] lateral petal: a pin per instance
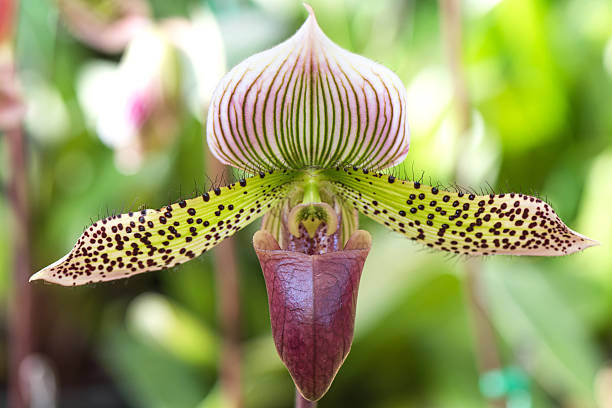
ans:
(128, 244)
(470, 224)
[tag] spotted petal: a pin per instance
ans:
(127, 244)
(308, 102)
(514, 224)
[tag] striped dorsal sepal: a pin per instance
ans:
(308, 102)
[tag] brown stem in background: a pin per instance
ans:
(450, 14)
(228, 307)
(20, 306)
(486, 346)
(487, 353)
(301, 402)
(20, 303)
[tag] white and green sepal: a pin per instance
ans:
(308, 102)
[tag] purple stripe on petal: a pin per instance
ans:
(308, 102)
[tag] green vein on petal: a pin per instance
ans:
(308, 102)
(513, 224)
(349, 220)
(273, 222)
(128, 244)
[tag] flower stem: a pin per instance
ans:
(228, 310)
(301, 402)
(21, 299)
(487, 354)
(20, 343)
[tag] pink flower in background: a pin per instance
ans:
(107, 26)
(135, 106)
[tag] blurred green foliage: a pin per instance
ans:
(539, 79)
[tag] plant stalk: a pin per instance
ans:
(301, 402)
(21, 299)
(20, 306)
(228, 309)
(487, 353)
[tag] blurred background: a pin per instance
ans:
(102, 106)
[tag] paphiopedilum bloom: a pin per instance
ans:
(314, 124)
(135, 106)
(107, 26)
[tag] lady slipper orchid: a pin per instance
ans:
(315, 125)
(134, 106)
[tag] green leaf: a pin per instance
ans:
(159, 320)
(535, 318)
(123, 245)
(471, 224)
(149, 376)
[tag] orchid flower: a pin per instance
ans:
(108, 26)
(314, 125)
(134, 106)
